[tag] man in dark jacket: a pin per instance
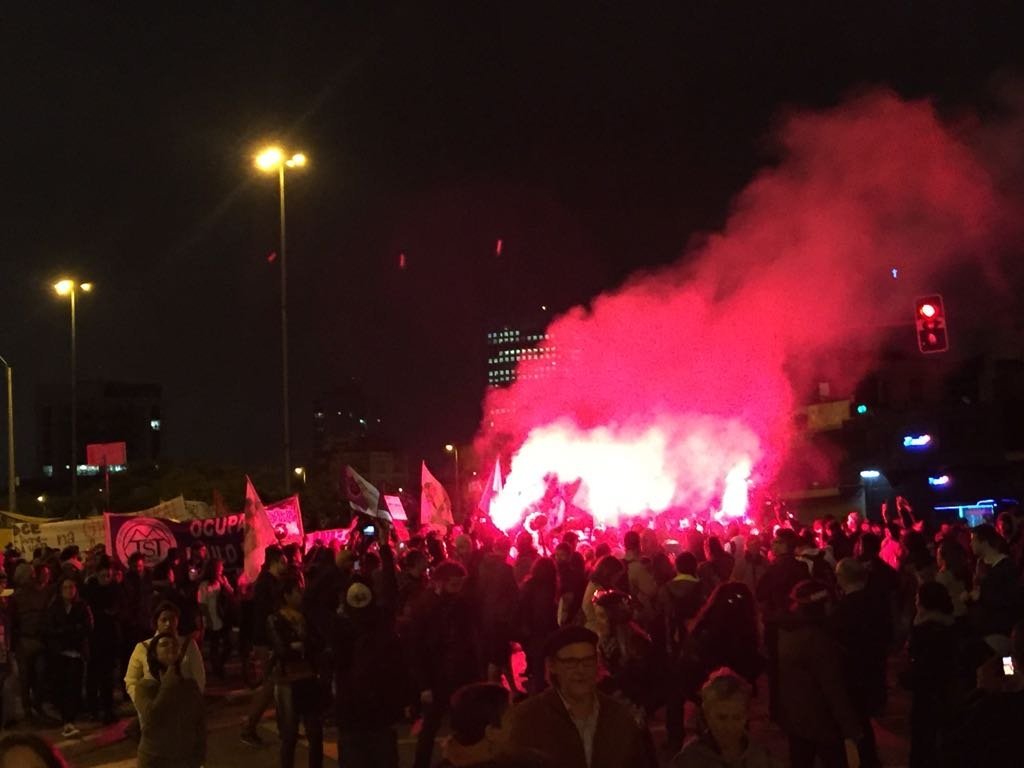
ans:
(444, 652)
(997, 593)
(265, 602)
(678, 602)
(571, 724)
(32, 595)
(814, 705)
(104, 599)
(861, 623)
(784, 573)
(369, 679)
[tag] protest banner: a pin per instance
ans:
(85, 534)
(198, 510)
(286, 519)
(155, 537)
(172, 509)
(326, 537)
(396, 508)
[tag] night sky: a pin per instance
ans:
(594, 139)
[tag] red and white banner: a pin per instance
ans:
(362, 496)
(259, 533)
(286, 519)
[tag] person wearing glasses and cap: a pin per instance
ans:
(572, 724)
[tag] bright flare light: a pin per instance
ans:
(696, 464)
(870, 474)
(928, 310)
(64, 287)
(938, 481)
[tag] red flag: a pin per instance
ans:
(362, 496)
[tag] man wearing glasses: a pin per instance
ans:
(571, 723)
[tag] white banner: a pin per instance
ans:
(86, 534)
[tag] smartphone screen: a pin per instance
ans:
(1008, 668)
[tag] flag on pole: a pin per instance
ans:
(362, 496)
(435, 506)
(492, 488)
(259, 533)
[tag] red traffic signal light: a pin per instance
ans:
(930, 317)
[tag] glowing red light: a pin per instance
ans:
(927, 310)
(401, 261)
(497, 247)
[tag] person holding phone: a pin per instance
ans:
(297, 692)
(171, 709)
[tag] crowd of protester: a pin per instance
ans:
(619, 629)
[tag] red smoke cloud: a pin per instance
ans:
(665, 386)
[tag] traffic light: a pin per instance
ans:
(930, 316)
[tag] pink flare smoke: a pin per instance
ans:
(663, 387)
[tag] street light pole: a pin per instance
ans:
(269, 160)
(284, 341)
(12, 496)
(70, 288)
(74, 403)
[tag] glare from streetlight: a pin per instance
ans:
(299, 471)
(64, 287)
(298, 160)
(87, 287)
(269, 159)
(449, 447)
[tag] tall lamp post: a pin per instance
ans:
(68, 287)
(454, 449)
(270, 160)
(12, 496)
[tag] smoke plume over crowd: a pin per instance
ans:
(676, 390)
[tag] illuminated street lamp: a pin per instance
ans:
(273, 160)
(454, 450)
(300, 472)
(12, 497)
(68, 287)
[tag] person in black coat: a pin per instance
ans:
(444, 652)
(933, 652)
(369, 678)
(538, 618)
(103, 596)
(862, 629)
(297, 693)
(67, 629)
(772, 593)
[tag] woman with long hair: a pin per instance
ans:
(214, 595)
(297, 692)
(626, 651)
(609, 573)
(171, 710)
(538, 617)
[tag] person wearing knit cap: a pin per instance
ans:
(369, 678)
(572, 724)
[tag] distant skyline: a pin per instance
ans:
(593, 141)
